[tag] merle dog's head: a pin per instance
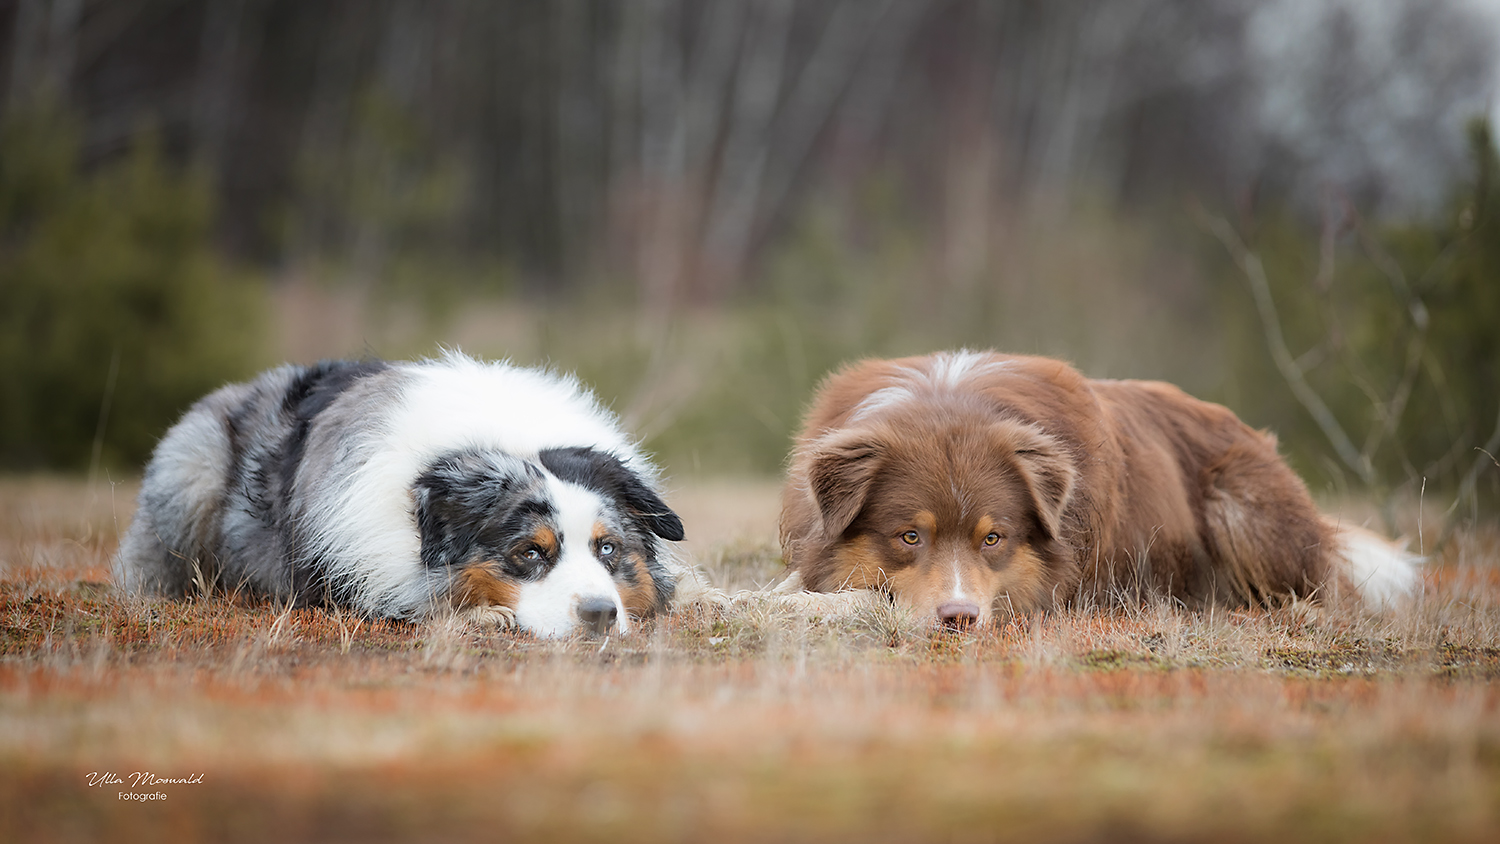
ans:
(568, 541)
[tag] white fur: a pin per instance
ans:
(960, 594)
(450, 403)
(951, 369)
(880, 400)
(944, 372)
(546, 607)
(1384, 573)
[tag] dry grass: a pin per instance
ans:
(1147, 724)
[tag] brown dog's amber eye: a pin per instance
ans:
(911, 537)
(991, 540)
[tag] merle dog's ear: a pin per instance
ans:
(456, 494)
(608, 475)
(843, 467)
(1046, 465)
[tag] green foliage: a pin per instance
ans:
(115, 314)
(1399, 334)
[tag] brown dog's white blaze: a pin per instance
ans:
(1086, 489)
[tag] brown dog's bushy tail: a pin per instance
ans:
(1383, 573)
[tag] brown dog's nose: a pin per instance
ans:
(958, 614)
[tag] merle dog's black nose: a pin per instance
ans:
(598, 615)
(958, 614)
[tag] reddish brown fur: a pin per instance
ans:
(1093, 489)
(637, 590)
(483, 585)
(640, 597)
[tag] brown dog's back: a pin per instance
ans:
(1206, 501)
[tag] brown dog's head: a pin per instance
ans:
(954, 515)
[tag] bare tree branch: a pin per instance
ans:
(1260, 288)
(1392, 410)
(1471, 477)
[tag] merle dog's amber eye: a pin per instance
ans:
(911, 537)
(531, 554)
(991, 540)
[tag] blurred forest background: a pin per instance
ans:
(1290, 206)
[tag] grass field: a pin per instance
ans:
(1144, 724)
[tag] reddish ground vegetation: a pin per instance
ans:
(1144, 723)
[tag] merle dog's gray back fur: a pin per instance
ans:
(176, 537)
(213, 507)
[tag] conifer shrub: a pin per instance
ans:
(115, 311)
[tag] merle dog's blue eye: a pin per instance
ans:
(606, 549)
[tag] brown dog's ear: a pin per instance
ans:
(842, 468)
(1047, 468)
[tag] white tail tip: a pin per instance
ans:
(1384, 572)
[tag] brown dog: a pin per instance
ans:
(964, 483)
